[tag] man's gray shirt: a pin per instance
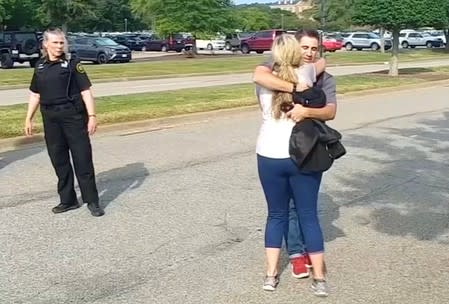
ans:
(325, 81)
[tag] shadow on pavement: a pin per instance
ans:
(7, 158)
(401, 173)
(116, 181)
(328, 212)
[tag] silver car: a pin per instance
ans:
(364, 40)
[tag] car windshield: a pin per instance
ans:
(245, 35)
(373, 36)
(105, 41)
(426, 35)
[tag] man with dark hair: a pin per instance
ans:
(263, 76)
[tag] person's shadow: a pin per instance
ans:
(116, 181)
(7, 158)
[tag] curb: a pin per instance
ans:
(157, 124)
(131, 128)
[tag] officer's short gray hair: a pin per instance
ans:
(57, 32)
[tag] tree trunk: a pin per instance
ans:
(64, 27)
(382, 40)
(446, 34)
(394, 71)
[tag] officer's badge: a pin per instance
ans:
(80, 68)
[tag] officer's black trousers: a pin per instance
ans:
(65, 128)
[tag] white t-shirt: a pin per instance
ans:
(274, 134)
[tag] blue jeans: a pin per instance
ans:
(281, 180)
(295, 239)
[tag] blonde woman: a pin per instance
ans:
(281, 179)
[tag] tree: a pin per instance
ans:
(284, 19)
(395, 15)
(446, 26)
(60, 12)
(337, 14)
(2, 11)
(199, 17)
(110, 15)
(251, 18)
(14, 14)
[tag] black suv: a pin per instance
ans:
(98, 49)
(19, 47)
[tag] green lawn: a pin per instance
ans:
(189, 66)
(361, 57)
(143, 106)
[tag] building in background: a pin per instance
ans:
(294, 6)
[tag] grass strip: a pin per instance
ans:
(135, 107)
(198, 66)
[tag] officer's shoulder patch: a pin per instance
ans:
(79, 68)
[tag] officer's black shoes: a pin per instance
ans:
(95, 209)
(63, 208)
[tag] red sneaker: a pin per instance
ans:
(308, 261)
(299, 269)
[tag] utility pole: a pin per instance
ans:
(323, 24)
(126, 25)
(282, 20)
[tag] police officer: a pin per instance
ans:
(62, 89)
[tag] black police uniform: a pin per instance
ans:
(64, 115)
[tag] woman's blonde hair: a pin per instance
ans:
(46, 37)
(286, 55)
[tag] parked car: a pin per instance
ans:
(19, 47)
(98, 50)
(155, 43)
(211, 44)
(414, 39)
(332, 42)
(133, 43)
(260, 41)
(174, 42)
(439, 35)
(233, 41)
(364, 40)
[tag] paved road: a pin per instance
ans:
(16, 96)
(185, 214)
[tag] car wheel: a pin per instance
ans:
(245, 49)
(404, 44)
(6, 61)
(102, 59)
(33, 62)
(429, 44)
(210, 47)
(228, 46)
(348, 46)
(375, 46)
(164, 48)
